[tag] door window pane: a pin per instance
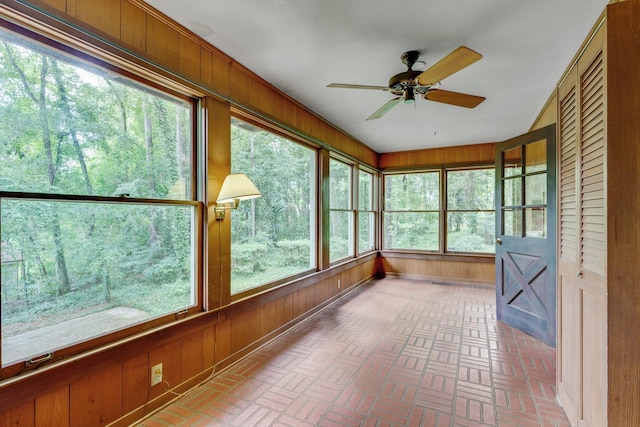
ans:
(512, 220)
(536, 189)
(536, 222)
(512, 162)
(512, 192)
(536, 155)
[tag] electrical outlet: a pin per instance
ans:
(156, 374)
(338, 283)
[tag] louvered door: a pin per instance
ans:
(582, 385)
(569, 313)
(592, 282)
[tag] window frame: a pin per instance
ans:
(386, 211)
(446, 209)
(85, 50)
(252, 119)
(442, 211)
(373, 211)
(350, 210)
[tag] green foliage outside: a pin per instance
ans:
(271, 235)
(68, 130)
(412, 206)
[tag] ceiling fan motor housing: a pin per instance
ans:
(400, 82)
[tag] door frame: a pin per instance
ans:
(547, 332)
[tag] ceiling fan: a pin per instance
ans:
(426, 83)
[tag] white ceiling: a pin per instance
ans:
(300, 46)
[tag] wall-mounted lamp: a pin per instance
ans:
(235, 187)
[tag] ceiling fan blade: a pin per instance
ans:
(348, 86)
(452, 63)
(385, 108)
(454, 98)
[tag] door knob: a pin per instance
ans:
(498, 241)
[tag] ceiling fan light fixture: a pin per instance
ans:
(409, 97)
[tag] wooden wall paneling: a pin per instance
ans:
(269, 319)
(321, 292)
(477, 153)
(206, 66)
(163, 43)
(135, 382)
(289, 112)
(218, 125)
(281, 310)
(221, 68)
(169, 356)
(133, 26)
(191, 355)
(103, 15)
(297, 302)
(190, 62)
(52, 409)
(96, 400)
(239, 85)
(548, 115)
(254, 94)
(623, 227)
(223, 340)
(312, 296)
(209, 346)
(240, 331)
(60, 5)
(267, 99)
(22, 415)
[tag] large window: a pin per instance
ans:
(96, 198)
(272, 237)
(366, 211)
(341, 241)
(412, 211)
(470, 213)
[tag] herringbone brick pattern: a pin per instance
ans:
(394, 352)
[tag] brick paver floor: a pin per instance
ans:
(394, 352)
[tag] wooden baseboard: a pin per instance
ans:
(443, 280)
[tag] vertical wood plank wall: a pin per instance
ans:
(438, 267)
(623, 211)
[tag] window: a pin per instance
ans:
(341, 242)
(98, 213)
(470, 211)
(272, 237)
(366, 212)
(412, 211)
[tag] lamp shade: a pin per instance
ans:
(237, 186)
